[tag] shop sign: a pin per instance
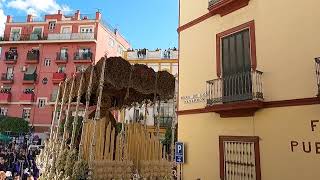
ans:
(307, 146)
(196, 98)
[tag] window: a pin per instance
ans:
(61, 69)
(86, 29)
(111, 42)
(3, 111)
(80, 68)
(66, 30)
(235, 62)
(236, 45)
(41, 102)
(26, 113)
(47, 62)
(52, 25)
(36, 33)
(239, 157)
(15, 34)
(136, 115)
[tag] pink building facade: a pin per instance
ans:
(37, 55)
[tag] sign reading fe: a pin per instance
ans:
(179, 154)
(307, 146)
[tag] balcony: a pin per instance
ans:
(7, 78)
(317, 63)
(29, 78)
(62, 58)
(27, 97)
(157, 54)
(5, 96)
(71, 36)
(83, 57)
(33, 57)
(23, 37)
(240, 94)
(224, 7)
(11, 57)
(48, 37)
(53, 97)
(58, 77)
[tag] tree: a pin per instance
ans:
(14, 125)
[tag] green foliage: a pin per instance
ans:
(14, 125)
(70, 125)
(167, 138)
(118, 128)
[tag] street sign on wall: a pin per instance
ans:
(179, 153)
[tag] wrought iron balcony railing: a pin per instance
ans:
(83, 56)
(62, 56)
(33, 55)
(23, 37)
(317, 64)
(30, 77)
(7, 77)
(237, 87)
(11, 56)
(212, 2)
(71, 36)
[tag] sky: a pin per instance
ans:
(144, 23)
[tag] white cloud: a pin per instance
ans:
(37, 7)
(3, 18)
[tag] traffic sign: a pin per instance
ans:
(179, 153)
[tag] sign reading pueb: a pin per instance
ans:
(308, 146)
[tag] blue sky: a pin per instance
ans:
(145, 23)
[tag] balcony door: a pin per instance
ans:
(15, 34)
(236, 67)
(9, 73)
(66, 30)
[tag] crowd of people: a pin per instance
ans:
(17, 162)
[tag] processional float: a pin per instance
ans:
(91, 147)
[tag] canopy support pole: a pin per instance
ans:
(96, 118)
(76, 117)
(86, 112)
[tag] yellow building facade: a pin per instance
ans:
(248, 105)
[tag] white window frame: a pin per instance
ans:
(23, 112)
(52, 20)
(42, 99)
(3, 111)
(70, 26)
(47, 62)
(42, 29)
(13, 28)
(111, 42)
(86, 26)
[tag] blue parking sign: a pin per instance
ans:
(179, 153)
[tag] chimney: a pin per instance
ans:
(9, 19)
(59, 11)
(98, 15)
(77, 15)
(29, 18)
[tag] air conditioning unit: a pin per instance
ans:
(24, 68)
